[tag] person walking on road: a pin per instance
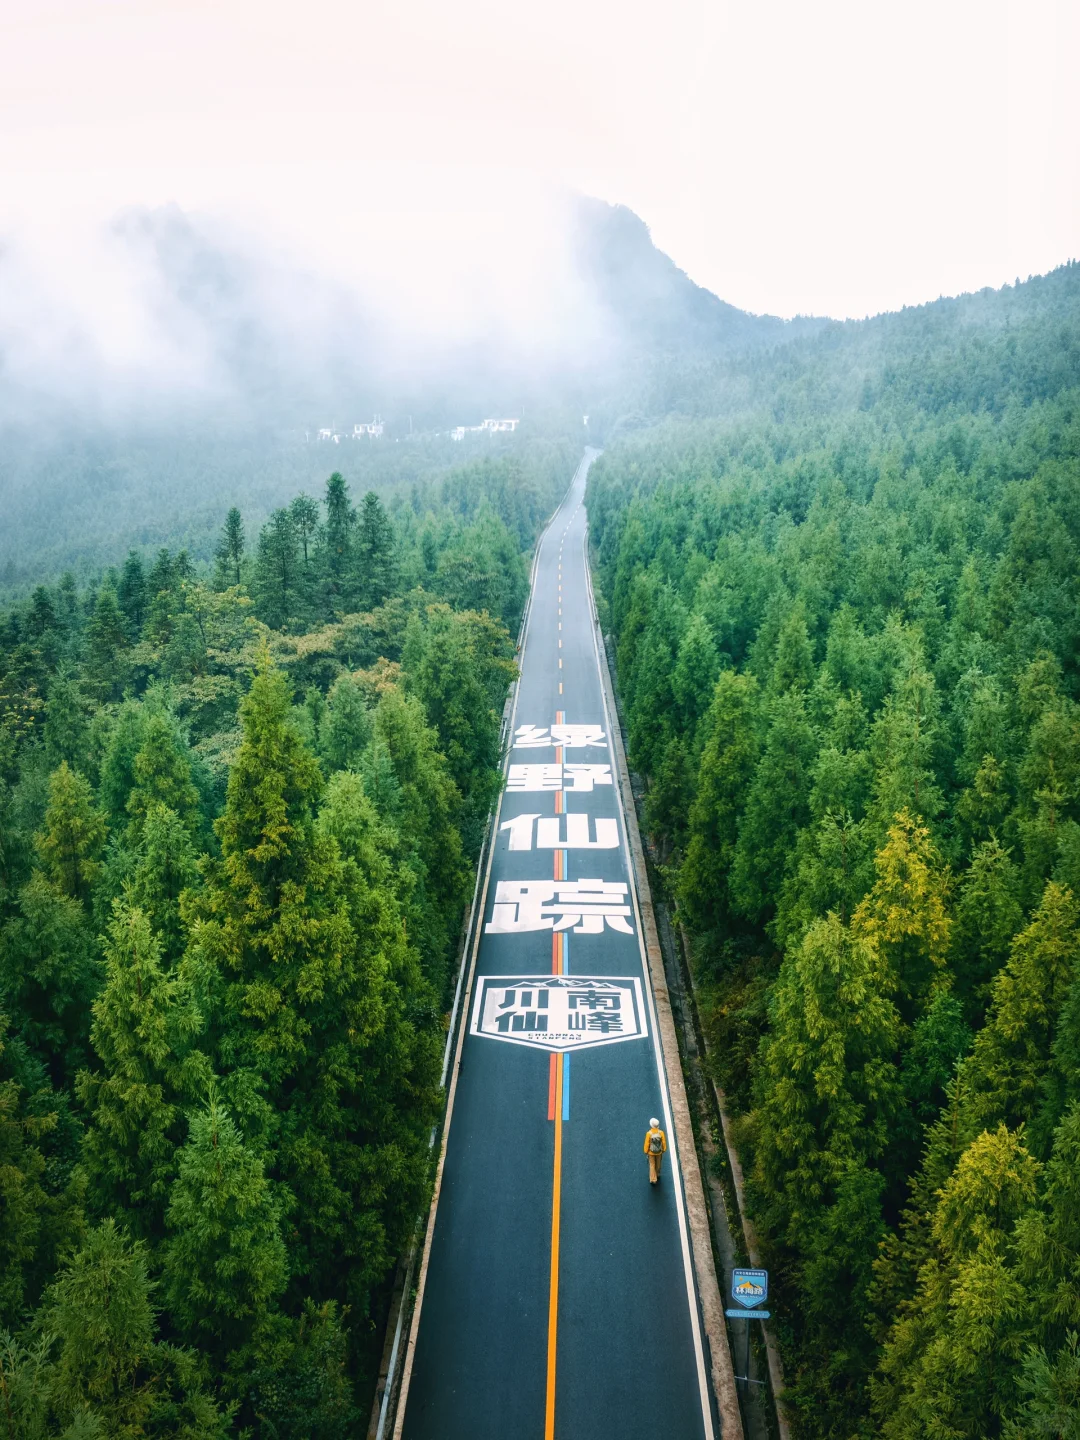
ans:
(655, 1145)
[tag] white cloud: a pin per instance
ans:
(837, 158)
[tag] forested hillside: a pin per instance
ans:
(845, 595)
(239, 811)
(243, 354)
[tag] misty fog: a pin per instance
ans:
(157, 363)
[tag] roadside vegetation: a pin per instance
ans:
(238, 815)
(844, 588)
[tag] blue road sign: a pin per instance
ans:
(750, 1287)
(748, 1314)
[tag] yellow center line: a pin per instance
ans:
(553, 1293)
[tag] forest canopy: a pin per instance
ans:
(240, 805)
(844, 593)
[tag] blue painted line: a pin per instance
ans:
(566, 1056)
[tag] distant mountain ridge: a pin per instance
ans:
(253, 352)
(656, 303)
(229, 326)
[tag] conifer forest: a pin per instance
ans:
(243, 797)
(843, 587)
(241, 810)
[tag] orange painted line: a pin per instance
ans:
(553, 1290)
(551, 1085)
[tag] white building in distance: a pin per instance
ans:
(490, 427)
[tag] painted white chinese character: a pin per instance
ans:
(577, 833)
(582, 905)
(534, 777)
(571, 737)
(521, 831)
(577, 737)
(531, 737)
(548, 835)
(584, 777)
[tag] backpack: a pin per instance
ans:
(656, 1142)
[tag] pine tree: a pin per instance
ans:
(224, 1263)
(905, 915)
(1049, 788)
(315, 988)
(667, 804)
(38, 1217)
(905, 741)
(49, 975)
(66, 731)
(110, 1376)
(461, 675)
(694, 677)
(167, 866)
(1048, 1239)
(301, 1385)
(949, 1363)
(729, 756)
(986, 763)
(346, 730)
(1050, 1387)
(117, 775)
(826, 1085)
(41, 617)
(230, 551)
(429, 808)
(277, 571)
(131, 593)
(107, 639)
(940, 1039)
(777, 806)
(375, 553)
(305, 517)
(1013, 1052)
(336, 550)
(142, 1033)
(73, 837)
(793, 662)
(162, 775)
(269, 914)
(162, 574)
(988, 915)
(652, 706)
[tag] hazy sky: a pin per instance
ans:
(840, 157)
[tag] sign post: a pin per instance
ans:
(750, 1290)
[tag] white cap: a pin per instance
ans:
(654, 1122)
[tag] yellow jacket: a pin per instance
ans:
(663, 1139)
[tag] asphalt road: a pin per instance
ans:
(558, 1299)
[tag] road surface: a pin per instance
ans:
(558, 1297)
